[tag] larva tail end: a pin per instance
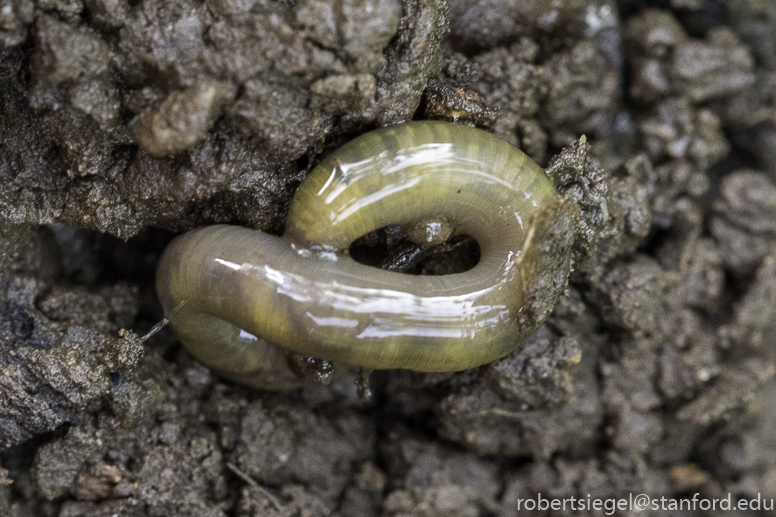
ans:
(546, 262)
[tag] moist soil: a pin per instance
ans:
(124, 122)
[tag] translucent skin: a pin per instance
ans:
(221, 286)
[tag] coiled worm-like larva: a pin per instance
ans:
(241, 299)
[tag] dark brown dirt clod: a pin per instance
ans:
(655, 374)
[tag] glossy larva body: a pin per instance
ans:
(222, 285)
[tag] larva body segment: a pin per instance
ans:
(302, 293)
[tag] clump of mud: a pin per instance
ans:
(124, 121)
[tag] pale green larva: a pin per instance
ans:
(241, 299)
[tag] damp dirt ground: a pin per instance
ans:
(124, 122)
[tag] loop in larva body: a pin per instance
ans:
(303, 293)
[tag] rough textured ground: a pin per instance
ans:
(121, 121)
